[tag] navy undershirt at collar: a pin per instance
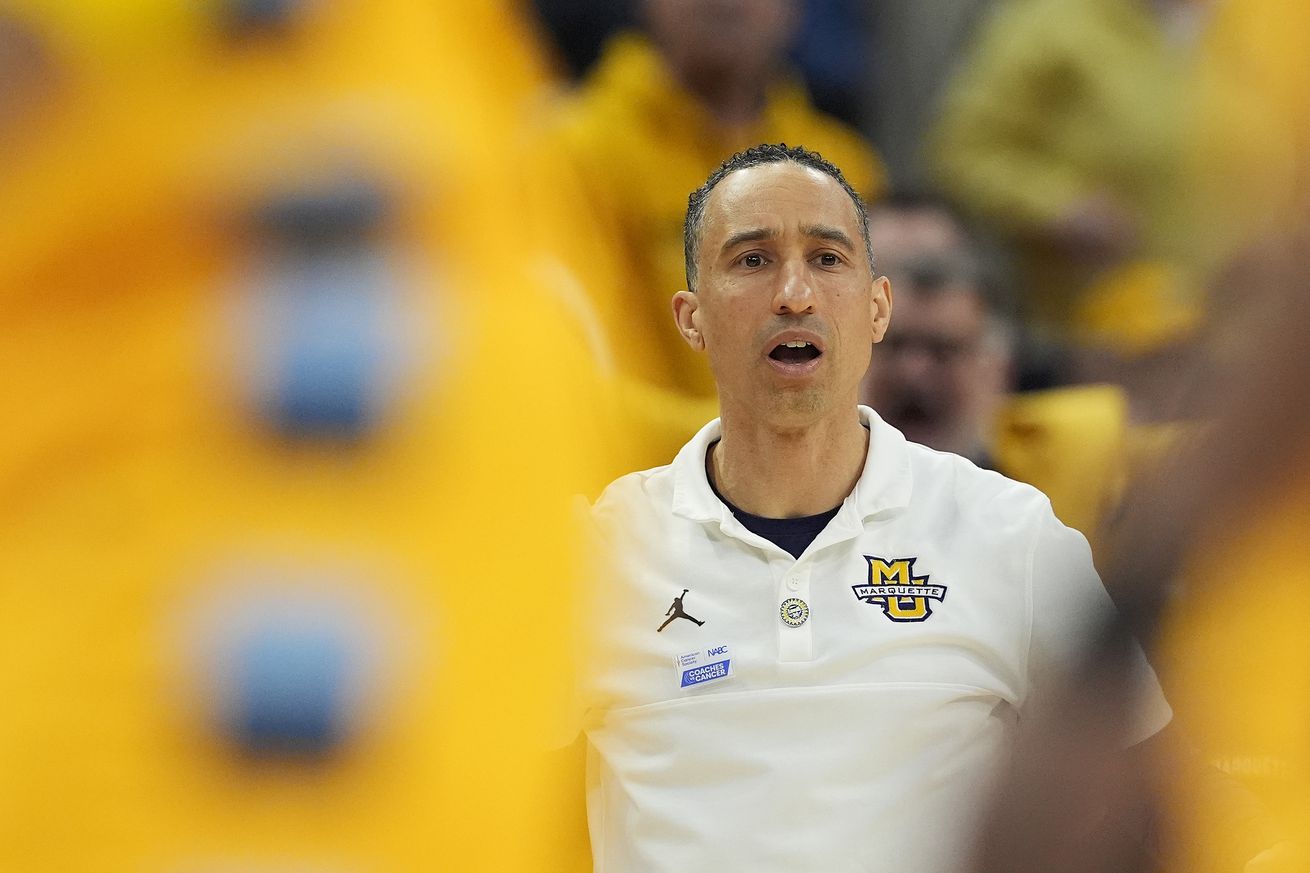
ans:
(793, 535)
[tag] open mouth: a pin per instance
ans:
(795, 352)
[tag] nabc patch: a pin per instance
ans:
(893, 586)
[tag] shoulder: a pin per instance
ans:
(606, 121)
(676, 489)
(953, 487)
(627, 68)
(645, 492)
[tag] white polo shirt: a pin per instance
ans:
(843, 711)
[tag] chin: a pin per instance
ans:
(801, 406)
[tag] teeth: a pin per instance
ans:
(795, 344)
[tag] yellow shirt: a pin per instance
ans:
(1236, 666)
(1063, 100)
(1235, 656)
(1068, 443)
(140, 489)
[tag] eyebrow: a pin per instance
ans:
(831, 234)
(741, 236)
(816, 231)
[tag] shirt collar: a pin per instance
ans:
(884, 484)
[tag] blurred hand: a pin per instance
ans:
(1074, 800)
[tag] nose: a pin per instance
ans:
(795, 292)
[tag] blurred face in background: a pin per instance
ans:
(901, 236)
(943, 369)
(705, 40)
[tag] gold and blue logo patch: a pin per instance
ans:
(894, 588)
(794, 612)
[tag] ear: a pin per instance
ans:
(880, 304)
(686, 314)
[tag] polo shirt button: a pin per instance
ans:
(794, 612)
(793, 583)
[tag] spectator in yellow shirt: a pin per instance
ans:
(1079, 129)
(945, 372)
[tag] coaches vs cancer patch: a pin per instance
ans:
(893, 586)
(709, 664)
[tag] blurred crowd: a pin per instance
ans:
(316, 315)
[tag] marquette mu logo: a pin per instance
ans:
(893, 586)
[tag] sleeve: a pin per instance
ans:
(1068, 606)
(608, 525)
(580, 695)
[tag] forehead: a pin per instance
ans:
(903, 234)
(778, 197)
(954, 309)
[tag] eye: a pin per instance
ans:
(752, 260)
(828, 259)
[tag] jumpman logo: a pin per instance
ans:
(676, 611)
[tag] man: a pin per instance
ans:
(662, 108)
(945, 374)
(877, 618)
(944, 371)
(1122, 187)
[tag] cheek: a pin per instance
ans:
(857, 331)
(723, 340)
(861, 350)
(856, 307)
(728, 324)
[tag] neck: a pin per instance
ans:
(733, 100)
(789, 473)
(735, 106)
